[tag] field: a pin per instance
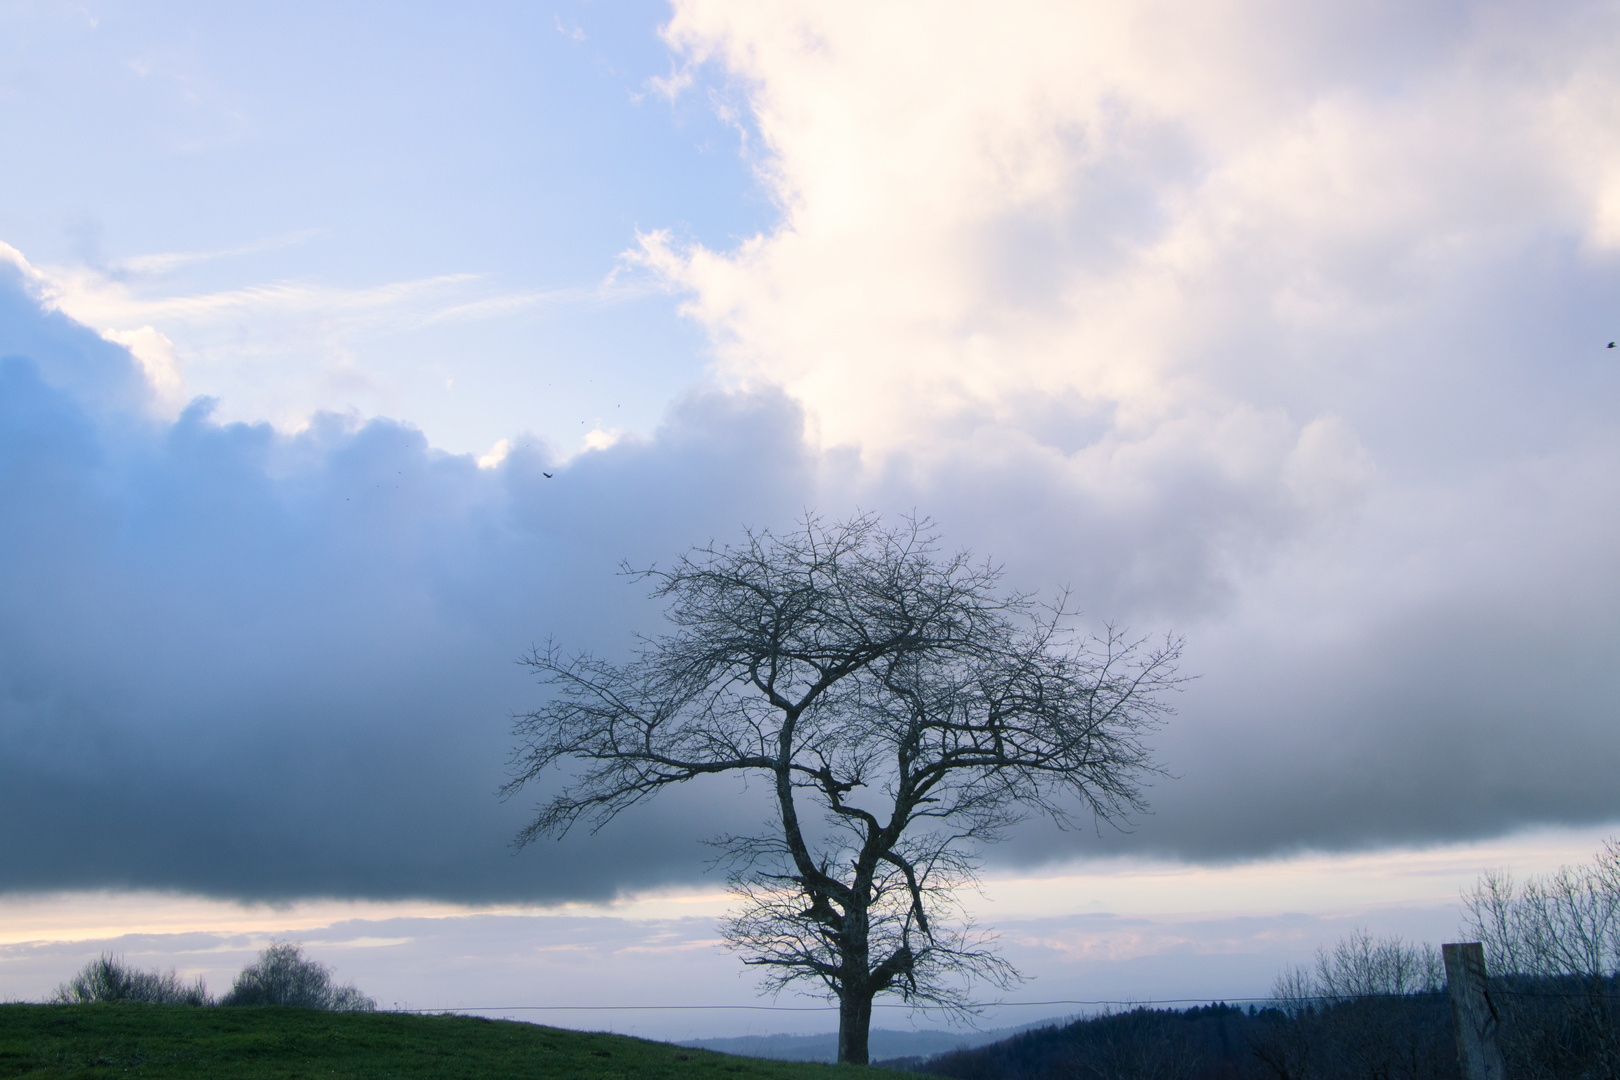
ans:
(62, 1041)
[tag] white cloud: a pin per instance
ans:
(166, 261)
(612, 289)
(598, 439)
(282, 350)
(1171, 213)
(496, 454)
(159, 362)
(292, 339)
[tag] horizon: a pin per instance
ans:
(1129, 944)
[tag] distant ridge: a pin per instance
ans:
(885, 1043)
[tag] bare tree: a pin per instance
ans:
(1368, 1007)
(903, 709)
(1564, 924)
(1362, 966)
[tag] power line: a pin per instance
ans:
(820, 1008)
(1133, 1002)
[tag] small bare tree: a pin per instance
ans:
(900, 700)
(1368, 1007)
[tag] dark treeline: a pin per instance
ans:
(1212, 1041)
(1551, 1029)
(1559, 1027)
(1373, 1039)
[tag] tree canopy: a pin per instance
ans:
(905, 711)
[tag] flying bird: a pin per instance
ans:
(546, 475)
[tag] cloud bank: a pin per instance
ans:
(1283, 331)
(244, 663)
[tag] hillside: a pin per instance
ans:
(58, 1042)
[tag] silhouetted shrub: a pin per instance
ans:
(283, 976)
(107, 978)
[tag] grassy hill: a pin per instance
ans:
(105, 1041)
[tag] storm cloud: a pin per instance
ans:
(259, 665)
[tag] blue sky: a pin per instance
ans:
(499, 153)
(1284, 330)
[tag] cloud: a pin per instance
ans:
(496, 455)
(168, 261)
(609, 291)
(250, 664)
(1281, 330)
(1158, 216)
(159, 362)
(286, 349)
(244, 663)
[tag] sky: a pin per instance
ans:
(1280, 328)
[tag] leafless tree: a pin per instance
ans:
(1362, 966)
(1564, 924)
(1368, 1007)
(904, 711)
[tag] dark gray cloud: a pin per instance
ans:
(254, 665)
(1432, 663)
(1430, 660)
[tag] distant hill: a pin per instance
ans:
(884, 1043)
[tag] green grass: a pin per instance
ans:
(105, 1041)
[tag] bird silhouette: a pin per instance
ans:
(546, 475)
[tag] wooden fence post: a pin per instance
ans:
(1474, 1013)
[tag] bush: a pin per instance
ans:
(283, 976)
(107, 978)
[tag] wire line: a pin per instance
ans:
(813, 1008)
(1134, 1002)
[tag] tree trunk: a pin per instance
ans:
(854, 1025)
